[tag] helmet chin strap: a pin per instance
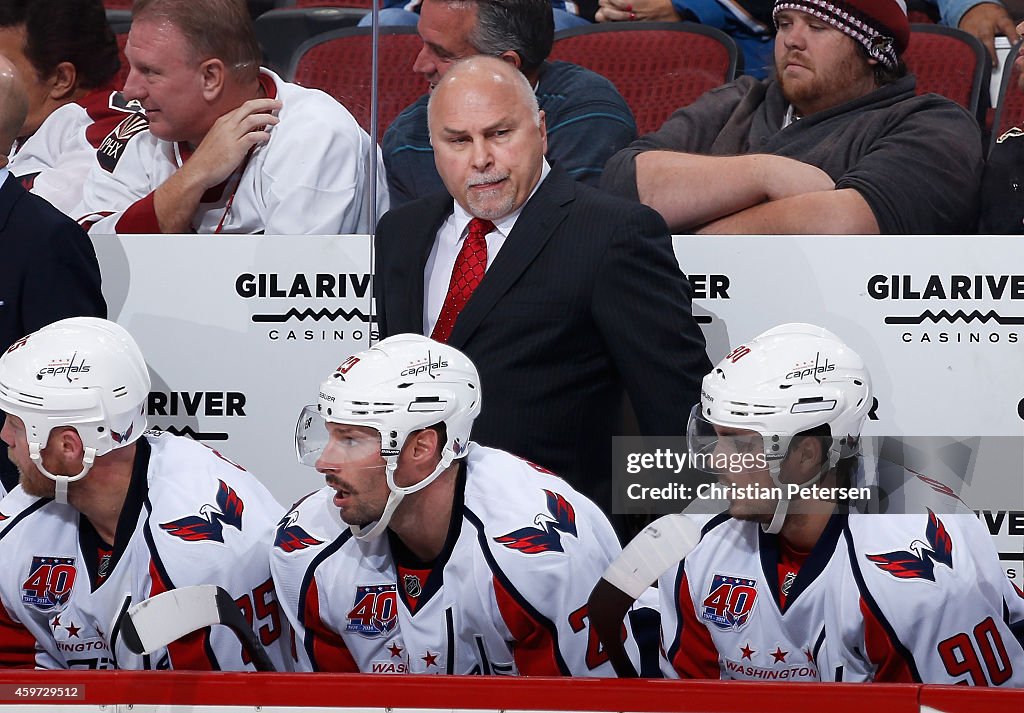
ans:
(782, 507)
(374, 530)
(60, 481)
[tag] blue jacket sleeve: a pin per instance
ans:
(952, 11)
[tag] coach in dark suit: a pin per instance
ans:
(48, 268)
(581, 298)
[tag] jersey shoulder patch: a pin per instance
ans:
(112, 147)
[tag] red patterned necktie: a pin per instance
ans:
(466, 275)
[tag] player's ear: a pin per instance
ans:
(808, 455)
(63, 81)
(426, 445)
(213, 74)
(542, 125)
(420, 455)
(67, 445)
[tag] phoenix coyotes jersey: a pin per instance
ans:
(506, 596)
(310, 178)
(189, 517)
(893, 598)
(55, 160)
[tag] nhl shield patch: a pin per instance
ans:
(729, 601)
(375, 611)
(49, 583)
(412, 585)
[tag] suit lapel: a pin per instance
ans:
(434, 213)
(543, 213)
(10, 191)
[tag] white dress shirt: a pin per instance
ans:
(437, 273)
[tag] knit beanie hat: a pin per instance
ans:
(881, 26)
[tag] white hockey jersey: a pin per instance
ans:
(190, 517)
(311, 178)
(55, 161)
(507, 595)
(889, 598)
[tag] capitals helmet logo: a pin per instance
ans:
(122, 437)
(209, 524)
(729, 601)
(49, 583)
(291, 537)
(919, 562)
(374, 612)
(546, 537)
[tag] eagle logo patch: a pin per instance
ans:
(919, 561)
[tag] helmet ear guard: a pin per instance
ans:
(789, 380)
(85, 373)
(405, 383)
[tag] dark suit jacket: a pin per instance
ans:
(584, 298)
(48, 271)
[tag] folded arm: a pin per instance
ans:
(691, 190)
(646, 10)
(821, 212)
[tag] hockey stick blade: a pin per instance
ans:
(656, 548)
(163, 619)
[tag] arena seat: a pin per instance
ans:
(282, 30)
(952, 63)
(339, 63)
(1010, 105)
(656, 66)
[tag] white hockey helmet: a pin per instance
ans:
(405, 383)
(788, 380)
(83, 372)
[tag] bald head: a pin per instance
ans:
(482, 73)
(13, 106)
(488, 135)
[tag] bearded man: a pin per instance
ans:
(836, 141)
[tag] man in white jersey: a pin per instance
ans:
(425, 552)
(106, 515)
(230, 147)
(67, 57)
(791, 586)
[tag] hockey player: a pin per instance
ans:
(106, 516)
(425, 552)
(789, 586)
(230, 148)
(67, 57)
